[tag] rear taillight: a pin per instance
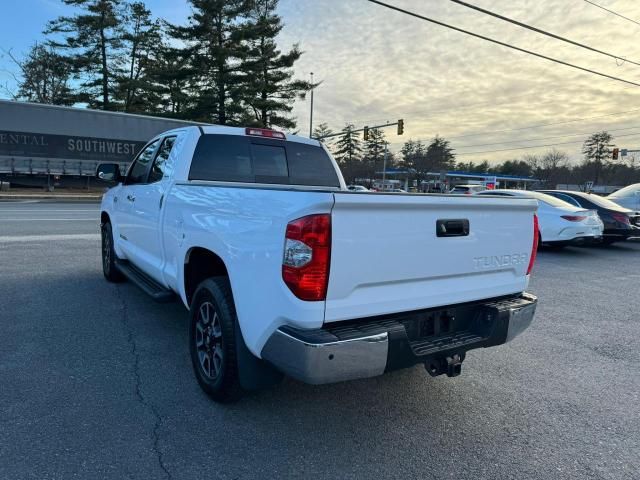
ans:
(622, 218)
(574, 218)
(307, 254)
(534, 248)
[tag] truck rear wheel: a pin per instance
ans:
(109, 269)
(212, 341)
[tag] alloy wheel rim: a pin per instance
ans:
(208, 337)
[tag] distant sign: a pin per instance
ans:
(38, 145)
(490, 183)
(589, 185)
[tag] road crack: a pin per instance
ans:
(131, 340)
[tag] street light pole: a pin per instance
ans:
(384, 166)
(311, 117)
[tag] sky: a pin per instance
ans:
(377, 65)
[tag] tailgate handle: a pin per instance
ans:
(452, 227)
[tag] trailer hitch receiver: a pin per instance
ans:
(454, 365)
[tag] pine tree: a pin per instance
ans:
(214, 38)
(44, 77)
(348, 151)
(597, 151)
(170, 74)
(92, 39)
(413, 155)
(141, 41)
(439, 155)
(374, 151)
(321, 131)
(270, 89)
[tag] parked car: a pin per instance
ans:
(466, 189)
(357, 188)
(255, 232)
(619, 223)
(627, 197)
(561, 223)
(397, 190)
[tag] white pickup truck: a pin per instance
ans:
(284, 271)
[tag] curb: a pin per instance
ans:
(8, 197)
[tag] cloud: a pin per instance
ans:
(379, 65)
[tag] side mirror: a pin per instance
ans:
(108, 172)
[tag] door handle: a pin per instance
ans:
(458, 227)
(131, 198)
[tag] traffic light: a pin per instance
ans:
(400, 126)
(615, 153)
(366, 134)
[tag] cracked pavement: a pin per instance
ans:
(96, 382)
(138, 387)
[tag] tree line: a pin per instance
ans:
(223, 66)
(363, 160)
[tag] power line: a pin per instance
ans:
(498, 42)
(537, 146)
(544, 124)
(543, 138)
(611, 11)
(538, 30)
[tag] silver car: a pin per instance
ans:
(466, 189)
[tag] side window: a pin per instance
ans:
(138, 171)
(158, 167)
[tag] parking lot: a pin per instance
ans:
(96, 382)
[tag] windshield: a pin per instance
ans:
(602, 202)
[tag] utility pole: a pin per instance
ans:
(311, 117)
(384, 165)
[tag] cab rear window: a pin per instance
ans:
(237, 158)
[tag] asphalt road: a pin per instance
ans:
(95, 382)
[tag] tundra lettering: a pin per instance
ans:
(500, 261)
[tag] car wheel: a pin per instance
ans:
(212, 341)
(109, 269)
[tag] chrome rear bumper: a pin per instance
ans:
(370, 347)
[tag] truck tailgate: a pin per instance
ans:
(387, 256)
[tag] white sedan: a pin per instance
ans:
(560, 222)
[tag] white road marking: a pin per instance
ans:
(49, 238)
(65, 210)
(50, 220)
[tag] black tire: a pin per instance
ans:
(111, 273)
(212, 341)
